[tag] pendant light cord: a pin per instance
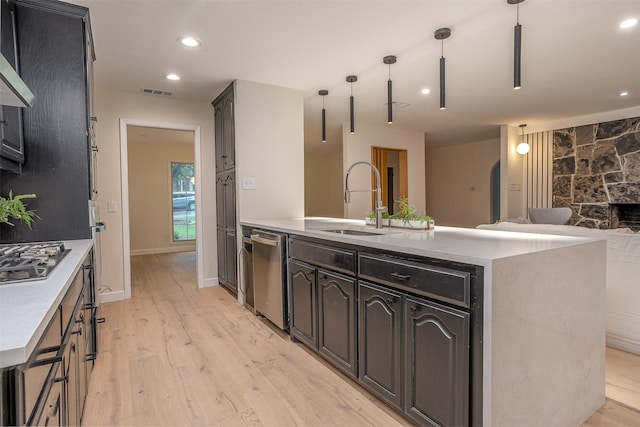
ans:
(517, 13)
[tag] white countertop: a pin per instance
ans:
(466, 245)
(26, 308)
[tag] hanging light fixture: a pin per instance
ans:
(442, 34)
(351, 79)
(523, 147)
(517, 45)
(390, 59)
(323, 93)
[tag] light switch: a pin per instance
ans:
(111, 206)
(248, 183)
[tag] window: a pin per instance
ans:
(183, 201)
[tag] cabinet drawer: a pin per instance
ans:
(325, 256)
(440, 283)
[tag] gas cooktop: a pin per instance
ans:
(29, 261)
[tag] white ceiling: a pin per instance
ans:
(575, 59)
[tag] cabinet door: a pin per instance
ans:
(49, 413)
(12, 145)
(232, 270)
(337, 320)
(302, 278)
(71, 392)
(229, 191)
(228, 149)
(380, 349)
(436, 364)
(219, 135)
(222, 255)
(220, 194)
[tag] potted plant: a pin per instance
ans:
(408, 217)
(370, 219)
(13, 209)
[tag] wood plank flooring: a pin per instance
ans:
(177, 355)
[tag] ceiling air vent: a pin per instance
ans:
(150, 91)
(397, 104)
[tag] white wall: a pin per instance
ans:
(111, 106)
(459, 182)
(323, 184)
(357, 147)
(150, 201)
(512, 177)
(270, 148)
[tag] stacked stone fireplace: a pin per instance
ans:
(596, 172)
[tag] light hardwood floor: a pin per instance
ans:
(177, 355)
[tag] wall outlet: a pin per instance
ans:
(111, 206)
(473, 188)
(248, 183)
(515, 186)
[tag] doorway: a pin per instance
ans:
(187, 134)
(392, 164)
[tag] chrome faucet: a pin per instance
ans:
(378, 190)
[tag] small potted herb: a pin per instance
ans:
(13, 209)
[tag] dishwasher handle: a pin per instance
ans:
(266, 240)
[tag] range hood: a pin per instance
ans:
(13, 91)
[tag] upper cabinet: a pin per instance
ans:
(225, 131)
(53, 41)
(12, 145)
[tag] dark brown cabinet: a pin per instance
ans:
(54, 47)
(223, 107)
(323, 301)
(225, 130)
(11, 137)
(337, 316)
(304, 318)
(226, 228)
(437, 363)
(380, 341)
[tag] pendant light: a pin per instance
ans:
(323, 93)
(390, 59)
(351, 79)
(523, 147)
(517, 45)
(442, 34)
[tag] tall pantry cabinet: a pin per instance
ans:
(55, 53)
(226, 188)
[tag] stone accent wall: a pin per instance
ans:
(595, 165)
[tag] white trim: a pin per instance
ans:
(167, 250)
(211, 281)
(112, 296)
(124, 172)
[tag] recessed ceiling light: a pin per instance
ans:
(625, 93)
(425, 91)
(172, 77)
(628, 23)
(190, 41)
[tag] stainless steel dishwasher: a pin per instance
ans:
(269, 281)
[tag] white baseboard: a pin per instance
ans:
(112, 296)
(623, 343)
(210, 281)
(166, 250)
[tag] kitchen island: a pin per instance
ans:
(538, 355)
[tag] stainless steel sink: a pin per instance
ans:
(354, 232)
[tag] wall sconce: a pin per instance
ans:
(351, 79)
(323, 93)
(523, 147)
